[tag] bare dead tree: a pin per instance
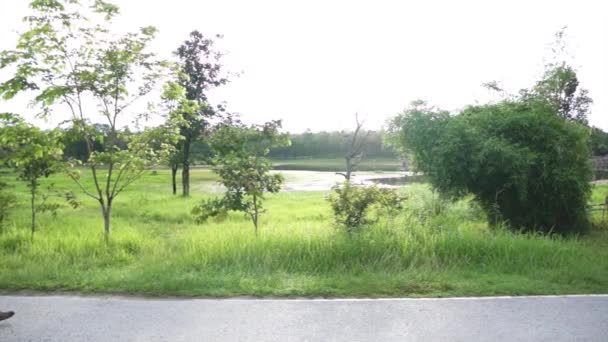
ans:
(354, 154)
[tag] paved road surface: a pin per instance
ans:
(91, 319)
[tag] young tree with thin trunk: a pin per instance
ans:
(70, 58)
(244, 169)
(32, 153)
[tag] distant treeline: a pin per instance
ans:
(303, 145)
(331, 145)
(76, 148)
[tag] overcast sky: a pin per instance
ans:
(315, 63)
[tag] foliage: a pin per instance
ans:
(350, 204)
(178, 109)
(7, 202)
(76, 144)
(523, 163)
(48, 205)
(559, 88)
(241, 163)
(32, 153)
(331, 145)
(390, 202)
(599, 142)
(199, 70)
(69, 57)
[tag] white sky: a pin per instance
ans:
(315, 63)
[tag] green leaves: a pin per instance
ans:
(559, 88)
(47, 5)
(110, 10)
(149, 31)
(172, 91)
(64, 52)
(33, 153)
(240, 161)
(351, 204)
(52, 94)
(70, 57)
(7, 202)
(523, 163)
(14, 86)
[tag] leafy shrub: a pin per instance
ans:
(524, 164)
(351, 204)
(390, 201)
(215, 207)
(7, 202)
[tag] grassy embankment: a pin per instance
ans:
(430, 249)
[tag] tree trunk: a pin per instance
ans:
(255, 223)
(186, 180)
(174, 177)
(33, 189)
(186, 168)
(254, 217)
(106, 222)
(349, 169)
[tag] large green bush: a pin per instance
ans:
(525, 165)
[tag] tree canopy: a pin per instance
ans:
(70, 58)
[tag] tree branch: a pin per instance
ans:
(82, 186)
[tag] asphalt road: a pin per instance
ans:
(91, 319)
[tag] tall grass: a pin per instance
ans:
(432, 248)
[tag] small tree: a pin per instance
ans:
(33, 154)
(70, 57)
(354, 152)
(199, 71)
(240, 161)
(559, 86)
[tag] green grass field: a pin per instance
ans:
(336, 164)
(431, 249)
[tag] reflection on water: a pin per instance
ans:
(398, 181)
(324, 181)
(393, 181)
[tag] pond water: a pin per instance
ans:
(321, 181)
